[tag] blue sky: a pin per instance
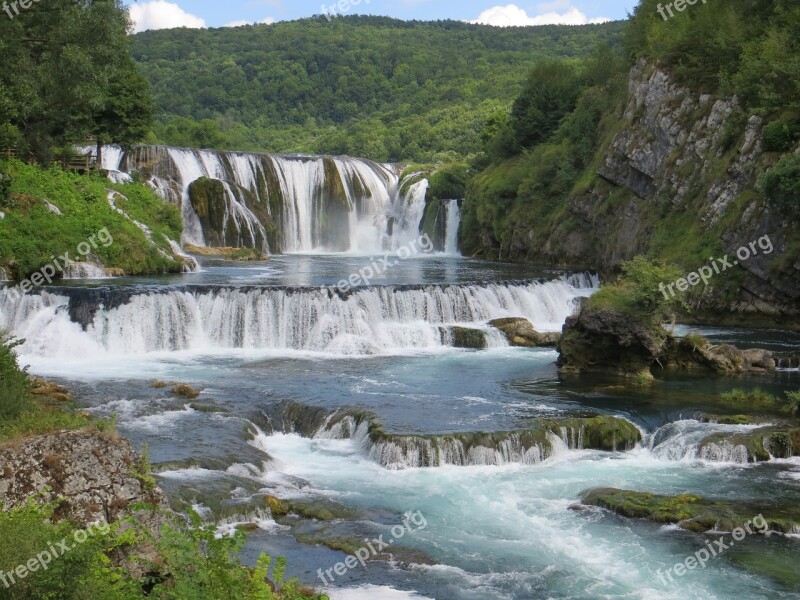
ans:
(159, 14)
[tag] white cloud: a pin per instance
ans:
(512, 15)
(159, 14)
(265, 21)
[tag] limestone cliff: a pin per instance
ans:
(675, 176)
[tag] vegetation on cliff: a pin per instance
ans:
(48, 212)
(678, 146)
(23, 412)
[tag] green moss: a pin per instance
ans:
(691, 512)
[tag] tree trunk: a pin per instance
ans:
(99, 153)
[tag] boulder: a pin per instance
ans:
(609, 341)
(521, 333)
(723, 358)
(466, 337)
(93, 473)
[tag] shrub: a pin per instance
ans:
(781, 183)
(778, 137)
(189, 562)
(14, 383)
(794, 402)
(696, 341)
(639, 290)
(5, 190)
(448, 183)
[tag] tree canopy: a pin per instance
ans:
(365, 86)
(67, 73)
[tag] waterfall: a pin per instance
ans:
(453, 222)
(308, 203)
(367, 321)
(690, 440)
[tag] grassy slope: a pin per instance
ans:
(30, 234)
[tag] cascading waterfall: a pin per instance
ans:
(317, 203)
(687, 440)
(365, 321)
(451, 227)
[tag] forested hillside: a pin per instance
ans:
(366, 86)
(681, 146)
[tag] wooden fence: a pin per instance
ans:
(74, 162)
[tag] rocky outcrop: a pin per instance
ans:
(609, 341)
(605, 340)
(521, 333)
(723, 358)
(92, 473)
(465, 337)
(694, 513)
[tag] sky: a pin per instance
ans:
(163, 14)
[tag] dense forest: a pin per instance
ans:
(364, 86)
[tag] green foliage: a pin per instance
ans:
(448, 183)
(192, 563)
(781, 183)
(639, 290)
(525, 195)
(14, 383)
(794, 402)
(5, 190)
(747, 47)
(550, 94)
(391, 90)
(778, 137)
(30, 234)
(142, 470)
(696, 341)
(68, 74)
(756, 395)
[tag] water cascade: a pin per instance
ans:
(81, 322)
(299, 204)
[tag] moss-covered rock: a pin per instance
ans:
(609, 341)
(277, 507)
(465, 337)
(694, 513)
(754, 446)
(248, 226)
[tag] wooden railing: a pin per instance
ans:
(73, 162)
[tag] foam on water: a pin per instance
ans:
(368, 321)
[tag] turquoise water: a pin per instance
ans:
(508, 532)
